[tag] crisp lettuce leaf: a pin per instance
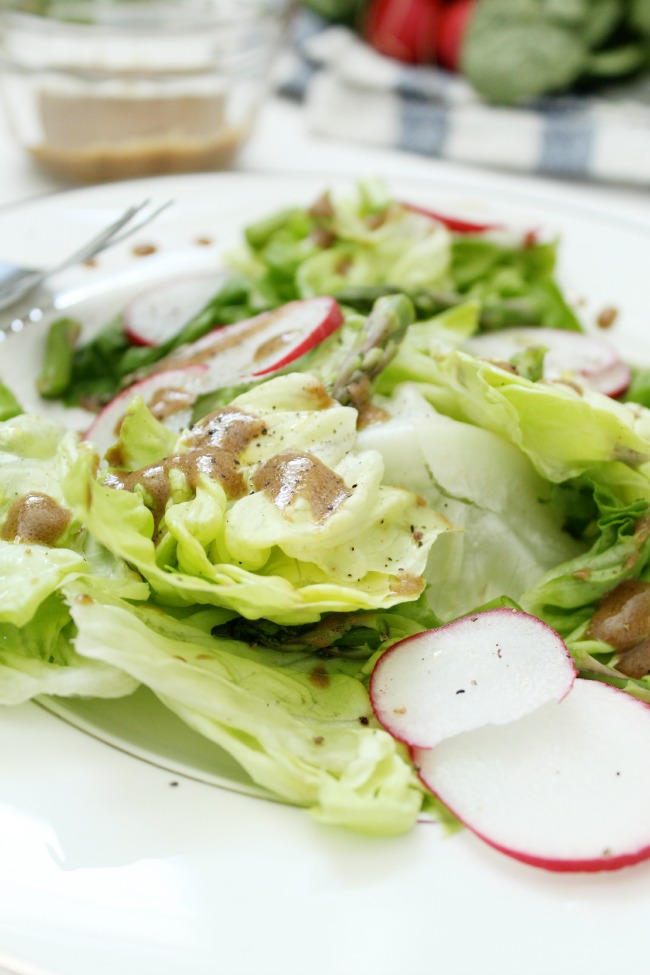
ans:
(36, 653)
(142, 439)
(594, 662)
(565, 432)
(508, 533)
(28, 436)
(521, 277)
(36, 457)
(38, 658)
(309, 738)
(344, 642)
(29, 574)
(357, 238)
(260, 558)
(405, 249)
(33, 460)
(9, 405)
(567, 595)
(350, 244)
(593, 448)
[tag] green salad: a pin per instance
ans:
(250, 557)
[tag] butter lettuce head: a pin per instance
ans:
(281, 556)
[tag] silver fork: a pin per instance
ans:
(16, 282)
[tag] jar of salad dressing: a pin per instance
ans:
(112, 89)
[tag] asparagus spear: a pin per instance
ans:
(495, 315)
(387, 323)
(56, 370)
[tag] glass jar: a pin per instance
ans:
(113, 89)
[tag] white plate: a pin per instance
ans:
(112, 864)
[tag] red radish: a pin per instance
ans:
(612, 381)
(227, 356)
(456, 224)
(566, 788)
(261, 345)
(492, 667)
(570, 355)
(567, 351)
(159, 313)
(454, 20)
(403, 29)
(169, 395)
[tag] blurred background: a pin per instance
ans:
(97, 90)
(558, 87)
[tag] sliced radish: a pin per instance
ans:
(159, 313)
(492, 667)
(612, 381)
(497, 231)
(260, 345)
(568, 351)
(566, 788)
(169, 395)
(456, 224)
(227, 356)
(570, 355)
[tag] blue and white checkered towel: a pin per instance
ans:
(351, 92)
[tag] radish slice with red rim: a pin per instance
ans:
(159, 313)
(612, 381)
(460, 225)
(261, 345)
(491, 667)
(589, 358)
(227, 356)
(169, 395)
(457, 225)
(566, 788)
(306, 324)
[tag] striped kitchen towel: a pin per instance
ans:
(351, 92)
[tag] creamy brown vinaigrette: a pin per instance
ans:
(273, 346)
(367, 413)
(163, 403)
(228, 428)
(35, 519)
(623, 620)
(168, 401)
(103, 137)
(407, 585)
(291, 475)
(214, 446)
(214, 463)
(220, 340)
